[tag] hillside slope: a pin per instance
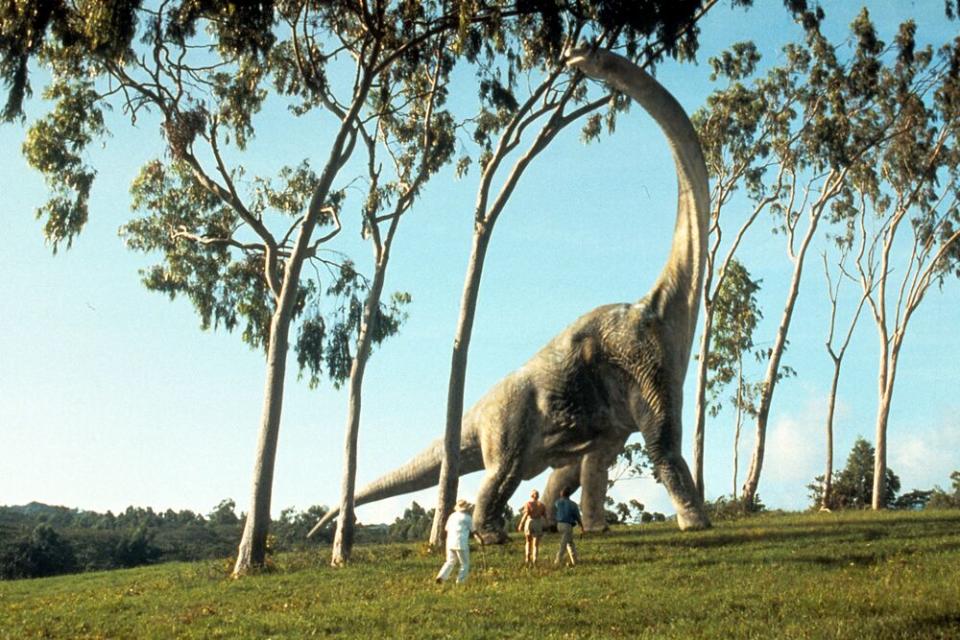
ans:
(849, 575)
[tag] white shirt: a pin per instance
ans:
(459, 525)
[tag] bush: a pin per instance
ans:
(853, 486)
(940, 499)
(730, 508)
(43, 553)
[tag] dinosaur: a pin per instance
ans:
(616, 370)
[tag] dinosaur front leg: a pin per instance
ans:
(676, 477)
(497, 487)
(663, 446)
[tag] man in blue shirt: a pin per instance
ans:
(567, 514)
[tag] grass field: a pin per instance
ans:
(850, 575)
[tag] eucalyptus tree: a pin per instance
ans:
(237, 245)
(736, 315)
(823, 151)
(417, 136)
(906, 204)
(736, 127)
(778, 138)
(837, 353)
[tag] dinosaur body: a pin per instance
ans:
(616, 370)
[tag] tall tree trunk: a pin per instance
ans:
(888, 369)
(343, 539)
(739, 424)
(827, 497)
(749, 493)
(700, 419)
(253, 544)
(450, 466)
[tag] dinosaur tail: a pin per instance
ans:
(422, 472)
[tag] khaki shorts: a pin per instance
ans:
(533, 527)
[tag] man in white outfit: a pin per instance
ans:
(459, 526)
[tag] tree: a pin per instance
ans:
(419, 139)
(853, 486)
(813, 156)
(632, 463)
(224, 513)
(43, 553)
(414, 525)
(941, 499)
(735, 129)
(235, 246)
(736, 314)
(907, 195)
(836, 354)
(810, 152)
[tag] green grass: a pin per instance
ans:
(850, 575)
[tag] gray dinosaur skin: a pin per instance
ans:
(616, 370)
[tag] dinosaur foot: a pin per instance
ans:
(493, 537)
(692, 520)
(604, 528)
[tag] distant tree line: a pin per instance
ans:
(38, 540)
(852, 487)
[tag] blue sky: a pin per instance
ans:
(111, 395)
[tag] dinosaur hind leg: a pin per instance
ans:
(566, 476)
(593, 482)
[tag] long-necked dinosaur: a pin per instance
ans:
(616, 370)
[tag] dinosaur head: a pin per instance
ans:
(596, 63)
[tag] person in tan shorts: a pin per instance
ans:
(532, 519)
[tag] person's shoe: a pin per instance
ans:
(439, 581)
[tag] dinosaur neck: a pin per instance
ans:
(677, 291)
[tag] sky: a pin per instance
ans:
(111, 395)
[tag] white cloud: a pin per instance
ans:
(926, 456)
(794, 456)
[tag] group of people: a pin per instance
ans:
(533, 517)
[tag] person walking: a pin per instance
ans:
(567, 514)
(459, 526)
(532, 518)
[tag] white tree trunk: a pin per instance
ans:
(343, 539)
(450, 466)
(888, 368)
(252, 552)
(752, 483)
(827, 498)
(700, 416)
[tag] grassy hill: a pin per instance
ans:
(845, 575)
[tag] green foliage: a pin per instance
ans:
(630, 512)
(38, 540)
(736, 315)
(734, 508)
(413, 526)
(290, 531)
(100, 28)
(943, 499)
(846, 576)
(54, 146)
(43, 553)
(852, 487)
(631, 463)
(224, 513)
